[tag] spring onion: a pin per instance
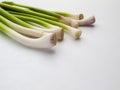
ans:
(39, 28)
(53, 29)
(23, 30)
(76, 33)
(57, 17)
(46, 41)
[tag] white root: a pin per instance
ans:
(87, 21)
(54, 29)
(37, 32)
(69, 21)
(48, 40)
(77, 23)
(59, 32)
(26, 31)
(77, 16)
(75, 33)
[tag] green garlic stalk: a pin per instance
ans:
(57, 17)
(12, 18)
(46, 41)
(76, 33)
(73, 16)
(23, 30)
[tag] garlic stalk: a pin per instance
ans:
(46, 41)
(76, 23)
(36, 11)
(25, 10)
(52, 29)
(23, 30)
(76, 33)
(73, 16)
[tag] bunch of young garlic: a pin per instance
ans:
(39, 28)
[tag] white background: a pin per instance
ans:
(92, 63)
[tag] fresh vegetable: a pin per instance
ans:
(38, 28)
(46, 41)
(23, 30)
(76, 33)
(52, 29)
(38, 12)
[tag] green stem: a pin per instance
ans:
(21, 15)
(2, 19)
(40, 22)
(13, 18)
(28, 11)
(34, 9)
(64, 14)
(51, 13)
(73, 16)
(3, 28)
